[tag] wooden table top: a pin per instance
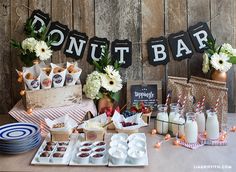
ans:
(168, 158)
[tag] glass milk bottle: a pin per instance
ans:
(212, 125)
(201, 121)
(174, 112)
(190, 128)
(162, 119)
(178, 126)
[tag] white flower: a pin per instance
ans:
(113, 84)
(228, 49)
(111, 72)
(205, 64)
(29, 44)
(109, 69)
(93, 85)
(42, 50)
(220, 62)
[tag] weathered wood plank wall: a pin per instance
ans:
(136, 20)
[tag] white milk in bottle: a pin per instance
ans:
(190, 128)
(178, 126)
(201, 121)
(212, 125)
(162, 119)
(174, 112)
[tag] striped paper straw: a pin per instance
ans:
(167, 98)
(198, 107)
(179, 99)
(203, 103)
(217, 104)
(183, 105)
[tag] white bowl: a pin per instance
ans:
(119, 144)
(99, 144)
(85, 149)
(97, 160)
(137, 143)
(99, 149)
(86, 143)
(82, 159)
(137, 136)
(120, 137)
(136, 155)
(58, 159)
(44, 159)
(117, 155)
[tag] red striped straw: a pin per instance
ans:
(203, 103)
(179, 99)
(198, 106)
(183, 105)
(217, 104)
(167, 98)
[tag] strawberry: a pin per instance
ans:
(133, 109)
(117, 109)
(142, 104)
(146, 110)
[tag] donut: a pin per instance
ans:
(47, 70)
(71, 68)
(58, 70)
(74, 71)
(29, 76)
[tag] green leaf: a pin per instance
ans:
(97, 66)
(115, 96)
(28, 58)
(15, 44)
(232, 60)
(100, 95)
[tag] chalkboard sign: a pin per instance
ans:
(145, 93)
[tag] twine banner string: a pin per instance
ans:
(133, 43)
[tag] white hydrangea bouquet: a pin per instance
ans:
(35, 47)
(105, 80)
(219, 58)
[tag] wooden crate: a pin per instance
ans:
(94, 135)
(53, 97)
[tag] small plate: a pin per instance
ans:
(18, 131)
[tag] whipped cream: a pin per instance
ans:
(118, 154)
(137, 153)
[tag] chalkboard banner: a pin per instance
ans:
(144, 93)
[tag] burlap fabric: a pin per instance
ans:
(197, 88)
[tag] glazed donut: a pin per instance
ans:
(74, 71)
(29, 76)
(58, 70)
(70, 68)
(47, 70)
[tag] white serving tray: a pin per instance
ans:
(128, 164)
(144, 162)
(67, 159)
(73, 162)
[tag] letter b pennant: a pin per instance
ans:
(158, 53)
